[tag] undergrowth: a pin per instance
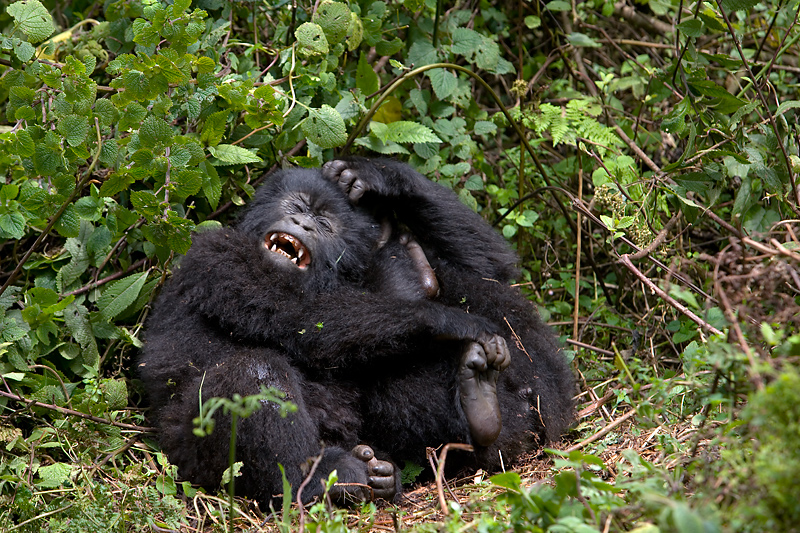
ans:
(642, 158)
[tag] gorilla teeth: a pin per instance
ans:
(288, 246)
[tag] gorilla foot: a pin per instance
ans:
(382, 479)
(481, 363)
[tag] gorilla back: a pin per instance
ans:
(315, 294)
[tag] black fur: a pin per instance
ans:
(363, 361)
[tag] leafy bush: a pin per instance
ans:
(646, 173)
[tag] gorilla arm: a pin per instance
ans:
(227, 277)
(448, 229)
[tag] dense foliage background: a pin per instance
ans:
(641, 157)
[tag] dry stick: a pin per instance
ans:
(626, 260)
(84, 180)
(578, 253)
(796, 207)
(728, 310)
(600, 434)
(658, 241)
(64, 410)
(305, 482)
(440, 471)
(589, 347)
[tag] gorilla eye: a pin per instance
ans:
(325, 224)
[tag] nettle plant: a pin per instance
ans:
(127, 134)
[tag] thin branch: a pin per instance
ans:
(626, 260)
(33, 403)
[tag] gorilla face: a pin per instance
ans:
(308, 226)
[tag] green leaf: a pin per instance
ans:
(581, 39)
(214, 127)
(366, 78)
(334, 18)
(738, 5)
(229, 154)
(692, 27)
(443, 82)
(24, 50)
(116, 182)
(187, 182)
(74, 128)
(145, 203)
(325, 127)
(404, 132)
(312, 38)
(12, 225)
(33, 19)
(52, 476)
(77, 320)
(120, 294)
(153, 131)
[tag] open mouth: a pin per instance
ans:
(289, 247)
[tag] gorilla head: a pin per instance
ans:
(308, 225)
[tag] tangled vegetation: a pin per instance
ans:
(641, 157)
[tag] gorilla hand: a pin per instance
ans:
(478, 372)
(381, 475)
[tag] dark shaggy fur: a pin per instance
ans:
(363, 361)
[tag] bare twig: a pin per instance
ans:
(626, 260)
(64, 410)
(603, 432)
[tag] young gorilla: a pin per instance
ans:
(393, 360)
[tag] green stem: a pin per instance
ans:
(231, 460)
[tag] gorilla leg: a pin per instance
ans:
(478, 373)
(265, 439)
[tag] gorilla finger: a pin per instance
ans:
(332, 169)
(363, 452)
(357, 190)
(381, 483)
(346, 179)
(385, 494)
(380, 468)
(504, 354)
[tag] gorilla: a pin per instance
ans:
(380, 306)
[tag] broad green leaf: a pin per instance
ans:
(404, 132)
(154, 131)
(24, 50)
(118, 295)
(145, 203)
(355, 32)
(76, 317)
(366, 78)
(443, 82)
(312, 38)
(692, 27)
(466, 41)
(325, 127)
(33, 19)
(52, 476)
(74, 128)
(187, 182)
(12, 225)
(334, 19)
(229, 154)
(738, 5)
(214, 127)
(116, 182)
